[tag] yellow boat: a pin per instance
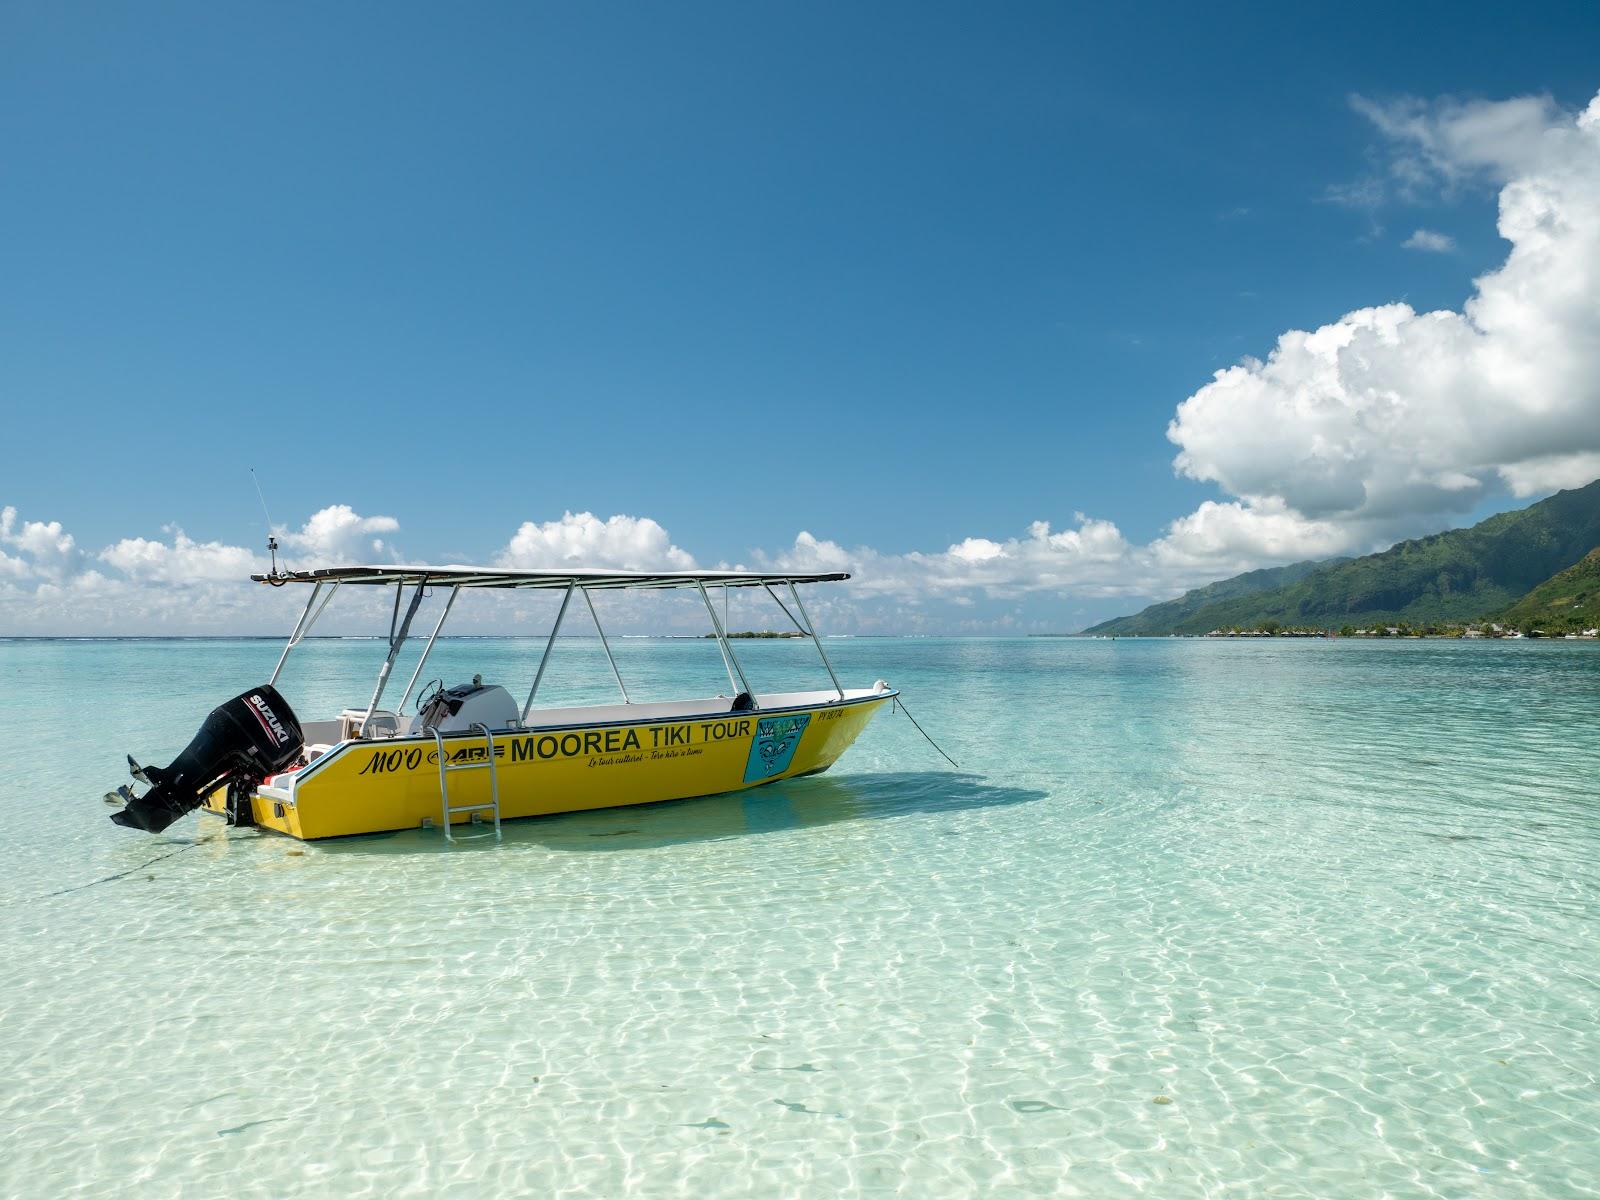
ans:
(471, 753)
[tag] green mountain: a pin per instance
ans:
(1166, 617)
(1460, 575)
(1567, 602)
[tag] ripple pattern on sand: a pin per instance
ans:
(1194, 920)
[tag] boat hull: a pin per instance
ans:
(393, 784)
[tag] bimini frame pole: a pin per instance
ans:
(816, 641)
(428, 649)
(303, 626)
(398, 632)
(728, 659)
(544, 658)
(793, 620)
(294, 634)
(607, 646)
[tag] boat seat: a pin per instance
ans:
(283, 778)
(384, 724)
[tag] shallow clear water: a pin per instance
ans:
(1336, 901)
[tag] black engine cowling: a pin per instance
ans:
(242, 742)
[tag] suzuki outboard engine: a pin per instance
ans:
(242, 742)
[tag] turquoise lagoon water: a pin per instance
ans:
(1335, 902)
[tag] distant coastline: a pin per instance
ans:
(1451, 633)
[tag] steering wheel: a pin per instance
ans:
(424, 697)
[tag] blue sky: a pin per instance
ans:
(898, 275)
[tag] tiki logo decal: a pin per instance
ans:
(774, 746)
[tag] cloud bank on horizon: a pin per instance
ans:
(1388, 419)
(1383, 424)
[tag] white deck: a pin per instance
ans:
(330, 733)
(715, 706)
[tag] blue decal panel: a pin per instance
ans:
(774, 746)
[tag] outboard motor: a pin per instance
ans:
(242, 742)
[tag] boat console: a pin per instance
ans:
(458, 709)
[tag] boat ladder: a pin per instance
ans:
(446, 766)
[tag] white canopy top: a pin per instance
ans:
(500, 577)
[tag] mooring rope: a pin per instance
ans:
(120, 874)
(901, 705)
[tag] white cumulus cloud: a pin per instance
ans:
(337, 534)
(45, 549)
(1388, 419)
(1448, 141)
(1431, 241)
(1092, 558)
(583, 540)
(181, 560)
(1220, 536)
(1551, 473)
(172, 584)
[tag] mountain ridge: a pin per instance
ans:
(1567, 602)
(1158, 617)
(1458, 575)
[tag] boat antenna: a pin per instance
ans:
(274, 577)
